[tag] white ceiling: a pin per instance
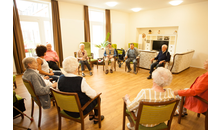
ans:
(126, 5)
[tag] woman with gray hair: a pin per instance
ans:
(161, 78)
(83, 59)
(70, 82)
(41, 85)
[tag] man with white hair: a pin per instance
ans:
(162, 57)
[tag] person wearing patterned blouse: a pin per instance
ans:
(161, 78)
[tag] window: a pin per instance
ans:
(35, 19)
(97, 29)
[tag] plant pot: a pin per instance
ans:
(101, 52)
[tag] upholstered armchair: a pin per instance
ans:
(181, 61)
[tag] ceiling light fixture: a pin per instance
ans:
(111, 4)
(136, 9)
(174, 3)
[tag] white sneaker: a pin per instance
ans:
(129, 126)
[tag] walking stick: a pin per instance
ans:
(23, 113)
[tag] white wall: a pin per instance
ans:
(120, 28)
(72, 27)
(192, 20)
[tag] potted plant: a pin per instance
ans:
(103, 45)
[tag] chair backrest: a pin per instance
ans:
(114, 46)
(87, 47)
(152, 113)
(67, 101)
(135, 45)
(29, 87)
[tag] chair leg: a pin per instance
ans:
(103, 64)
(32, 107)
(59, 125)
(99, 112)
(206, 121)
(15, 84)
(181, 110)
(82, 124)
(198, 115)
(123, 125)
(39, 120)
(78, 70)
(97, 64)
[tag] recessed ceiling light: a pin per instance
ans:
(111, 4)
(174, 3)
(136, 9)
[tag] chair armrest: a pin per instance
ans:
(132, 113)
(201, 99)
(90, 101)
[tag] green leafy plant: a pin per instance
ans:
(104, 43)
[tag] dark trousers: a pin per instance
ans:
(128, 63)
(56, 75)
(155, 64)
(85, 62)
(53, 65)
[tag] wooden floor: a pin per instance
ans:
(113, 87)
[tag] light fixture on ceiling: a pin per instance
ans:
(174, 3)
(111, 4)
(136, 9)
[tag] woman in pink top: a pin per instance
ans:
(51, 57)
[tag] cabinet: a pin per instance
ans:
(161, 37)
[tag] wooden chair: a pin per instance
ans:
(137, 67)
(70, 102)
(75, 55)
(14, 81)
(152, 113)
(198, 115)
(89, 53)
(30, 89)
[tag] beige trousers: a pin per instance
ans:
(106, 63)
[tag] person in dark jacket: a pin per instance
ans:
(70, 82)
(162, 57)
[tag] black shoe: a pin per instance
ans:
(129, 70)
(149, 77)
(135, 72)
(91, 74)
(111, 71)
(96, 119)
(106, 72)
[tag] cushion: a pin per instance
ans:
(64, 113)
(14, 78)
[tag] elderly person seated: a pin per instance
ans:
(109, 54)
(131, 55)
(43, 66)
(51, 57)
(41, 85)
(199, 88)
(70, 82)
(83, 59)
(161, 78)
(162, 57)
